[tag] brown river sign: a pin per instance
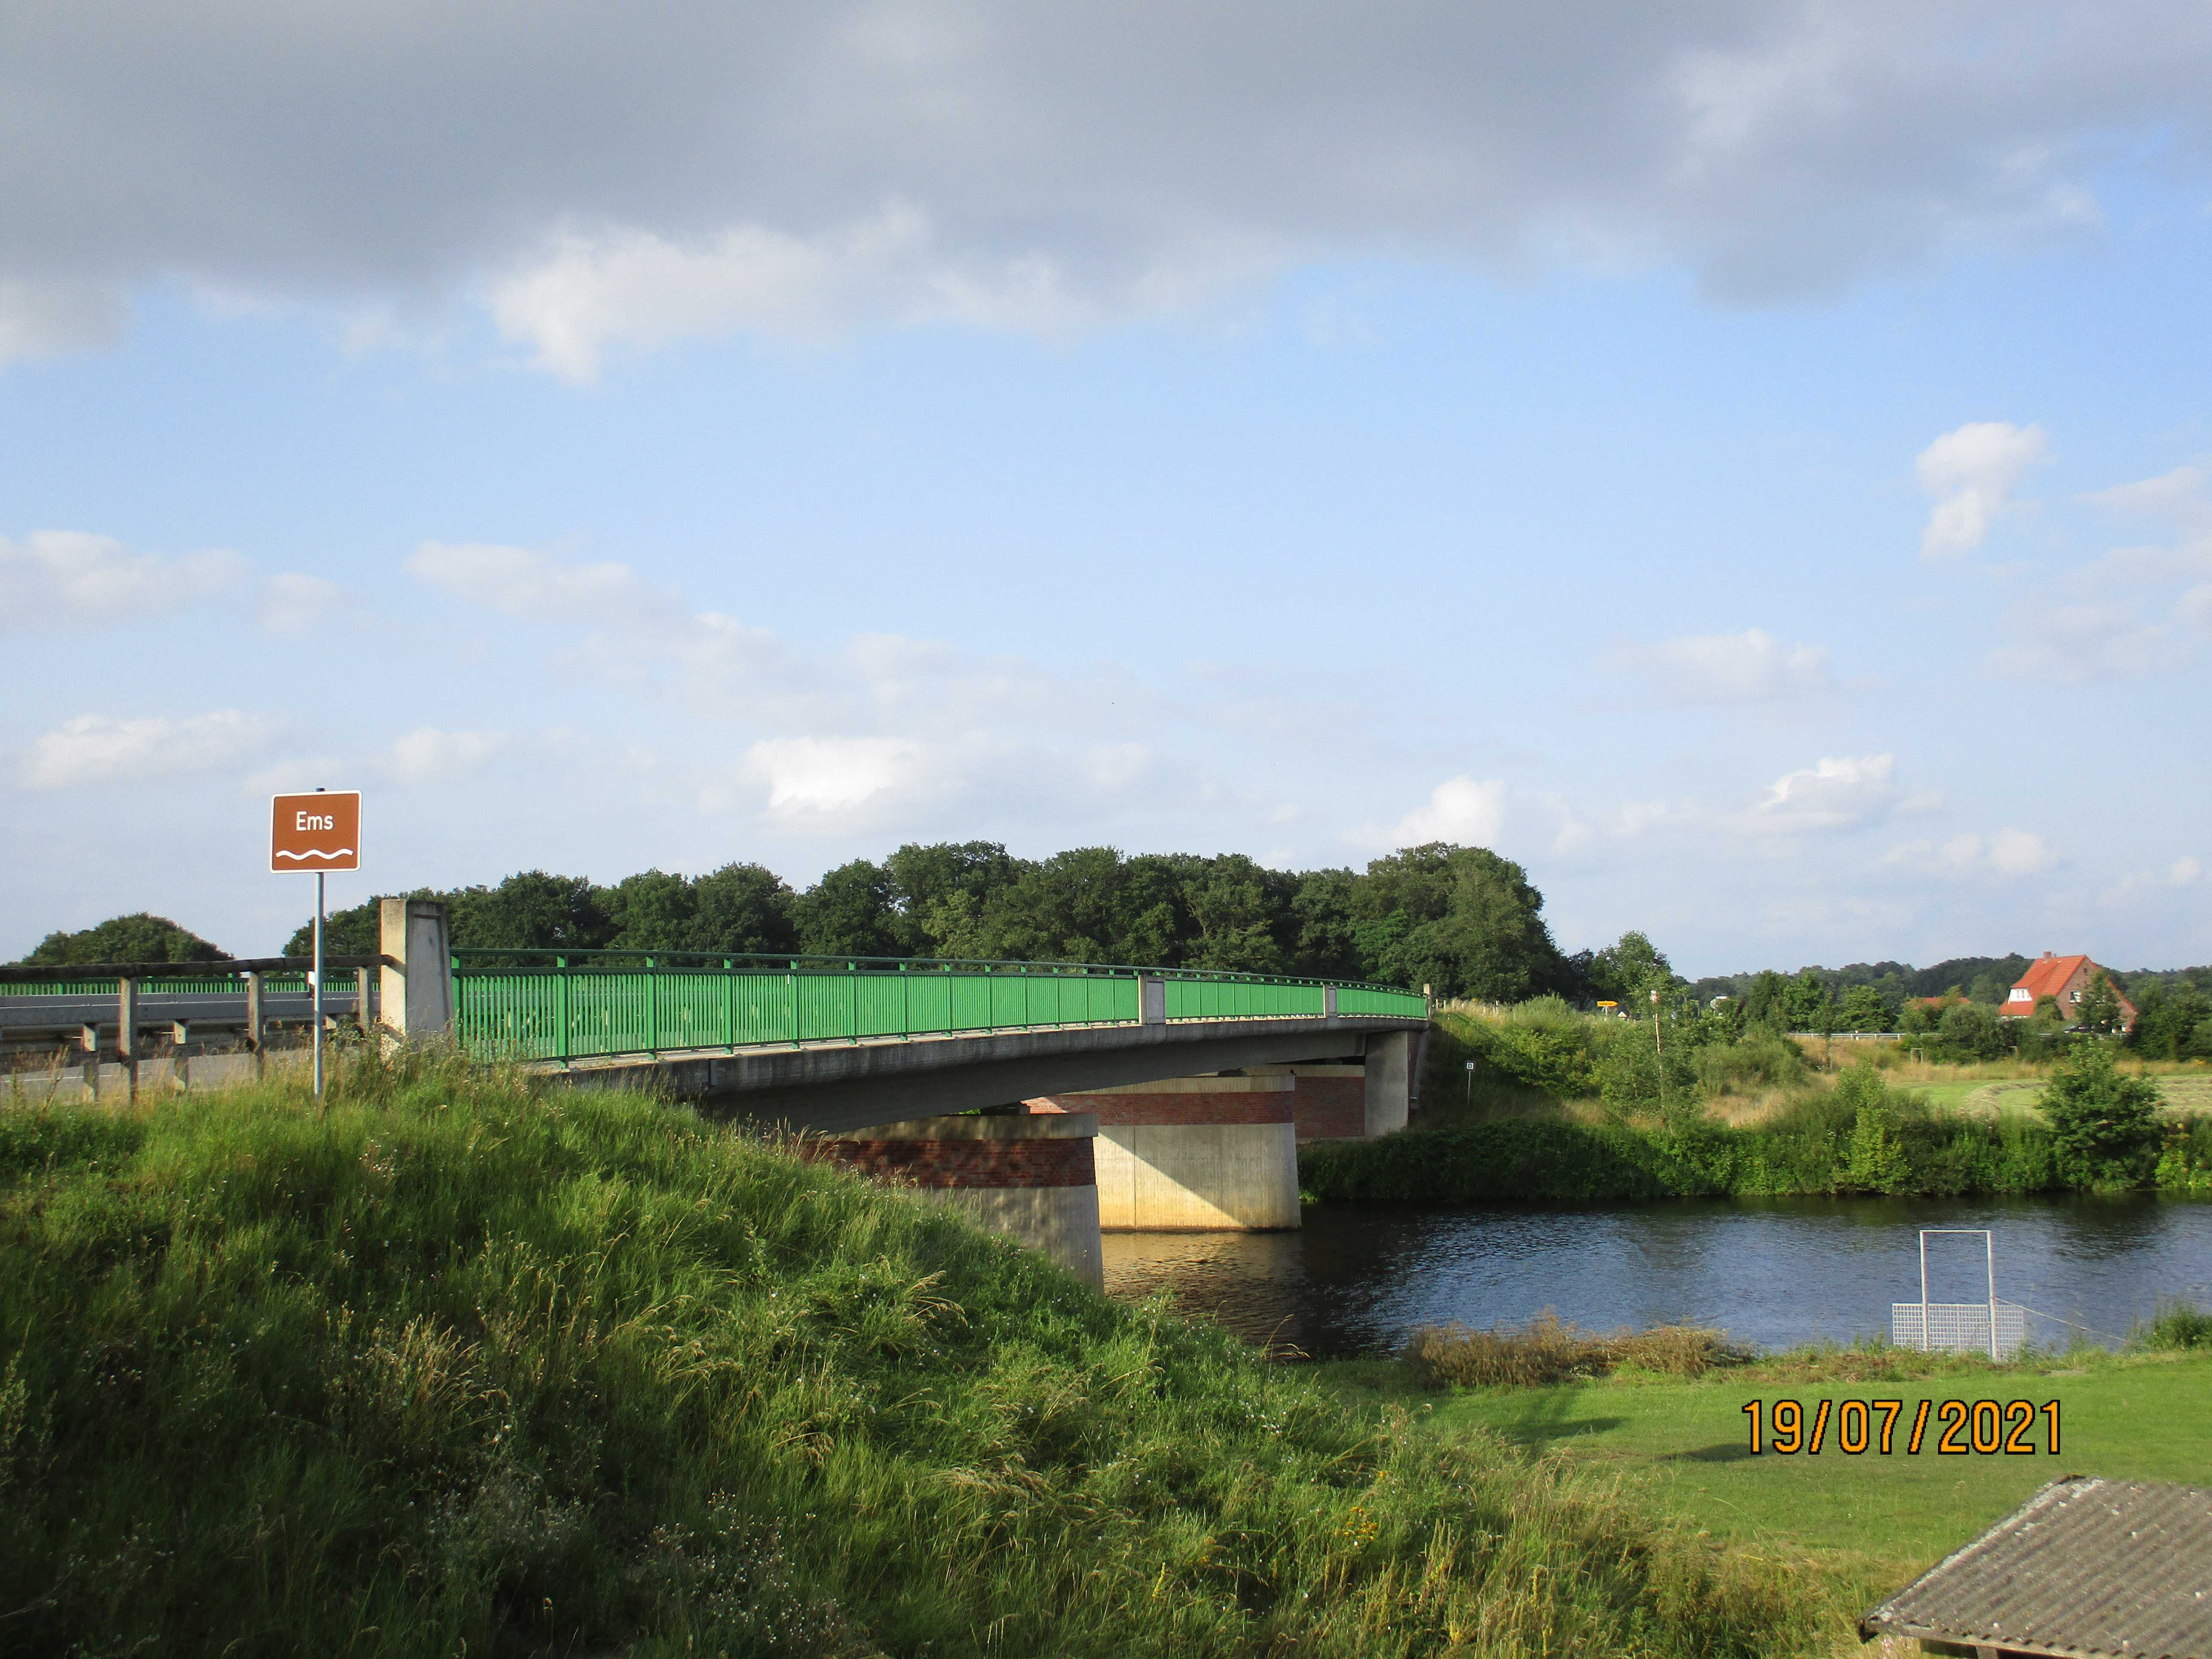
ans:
(321, 831)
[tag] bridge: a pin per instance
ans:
(1137, 1097)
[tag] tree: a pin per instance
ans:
(1630, 968)
(1461, 918)
(848, 913)
(652, 910)
(1767, 1002)
(1970, 1030)
(1240, 910)
(532, 911)
(1807, 1000)
(136, 938)
(1325, 932)
(1865, 1009)
(2168, 1020)
(2103, 1121)
(742, 907)
(940, 894)
(2100, 1009)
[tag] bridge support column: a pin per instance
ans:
(1389, 1081)
(1031, 1178)
(416, 1000)
(1202, 1154)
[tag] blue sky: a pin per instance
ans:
(1754, 474)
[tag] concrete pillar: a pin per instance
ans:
(1030, 1178)
(1202, 1154)
(415, 998)
(1389, 1081)
(126, 1033)
(1328, 1003)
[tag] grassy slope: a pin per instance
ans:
(1869, 1523)
(460, 1366)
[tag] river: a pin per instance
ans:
(1773, 1273)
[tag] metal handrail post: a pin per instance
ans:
(566, 1042)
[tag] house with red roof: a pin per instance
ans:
(2063, 979)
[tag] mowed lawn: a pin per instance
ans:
(1872, 1521)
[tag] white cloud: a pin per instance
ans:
(63, 576)
(829, 779)
(2185, 873)
(2075, 640)
(95, 749)
(1970, 472)
(427, 755)
(2007, 854)
(628, 288)
(533, 586)
(1463, 808)
(1749, 668)
(1834, 794)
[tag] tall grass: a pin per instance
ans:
(457, 1365)
(2178, 1323)
(1548, 1350)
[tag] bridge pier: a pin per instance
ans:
(1031, 1178)
(1194, 1154)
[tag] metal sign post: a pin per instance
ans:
(320, 832)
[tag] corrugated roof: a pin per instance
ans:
(2086, 1567)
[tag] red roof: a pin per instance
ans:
(2047, 978)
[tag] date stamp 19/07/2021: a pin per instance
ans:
(1949, 1428)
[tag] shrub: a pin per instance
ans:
(1761, 1059)
(2104, 1122)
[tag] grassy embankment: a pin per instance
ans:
(1745, 1120)
(1855, 1528)
(461, 1365)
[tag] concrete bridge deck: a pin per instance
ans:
(832, 1087)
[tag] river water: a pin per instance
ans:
(1773, 1273)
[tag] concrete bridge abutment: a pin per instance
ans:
(1031, 1178)
(1198, 1154)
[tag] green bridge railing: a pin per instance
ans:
(573, 1004)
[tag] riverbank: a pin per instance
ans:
(1854, 1527)
(457, 1361)
(1851, 1139)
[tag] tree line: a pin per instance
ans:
(1461, 920)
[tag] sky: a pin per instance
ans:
(1751, 464)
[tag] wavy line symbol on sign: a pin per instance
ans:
(335, 853)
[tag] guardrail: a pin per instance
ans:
(79, 1002)
(575, 1005)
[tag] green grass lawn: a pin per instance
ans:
(1870, 1522)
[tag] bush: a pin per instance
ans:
(1971, 1031)
(1761, 1058)
(2104, 1122)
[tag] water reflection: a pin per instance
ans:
(1773, 1272)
